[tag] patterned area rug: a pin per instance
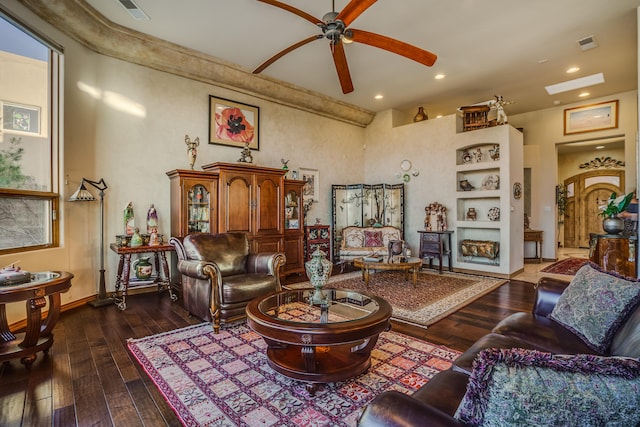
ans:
(224, 379)
(567, 266)
(435, 296)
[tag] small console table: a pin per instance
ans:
(162, 279)
(534, 236)
(435, 244)
(38, 335)
(613, 252)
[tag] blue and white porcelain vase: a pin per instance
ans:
(318, 270)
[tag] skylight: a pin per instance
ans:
(575, 84)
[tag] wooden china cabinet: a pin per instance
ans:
(250, 200)
(238, 197)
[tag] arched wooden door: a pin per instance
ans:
(585, 192)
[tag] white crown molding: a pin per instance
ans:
(80, 21)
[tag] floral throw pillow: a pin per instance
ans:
(595, 305)
(518, 387)
(373, 238)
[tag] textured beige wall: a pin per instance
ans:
(126, 123)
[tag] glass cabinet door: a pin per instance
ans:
(292, 210)
(198, 209)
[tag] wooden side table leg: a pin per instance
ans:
(5, 332)
(124, 278)
(53, 315)
(167, 277)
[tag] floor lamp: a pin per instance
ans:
(83, 195)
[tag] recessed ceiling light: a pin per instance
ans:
(378, 96)
(599, 147)
(575, 84)
(439, 116)
(584, 94)
(572, 70)
(439, 76)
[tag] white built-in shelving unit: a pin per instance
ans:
(493, 178)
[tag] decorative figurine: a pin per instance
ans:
(152, 226)
(498, 105)
(420, 115)
(136, 239)
(478, 154)
(192, 149)
(129, 221)
(472, 215)
(152, 219)
(436, 217)
(494, 152)
(245, 154)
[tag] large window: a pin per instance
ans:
(29, 98)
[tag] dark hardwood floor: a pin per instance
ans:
(90, 379)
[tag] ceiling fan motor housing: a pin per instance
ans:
(332, 27)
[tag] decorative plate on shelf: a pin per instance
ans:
(517, 190)
(491, 182)
(494, 214)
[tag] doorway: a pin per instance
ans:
(590, 169)
(585, 193)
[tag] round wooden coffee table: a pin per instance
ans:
(409, 265)
(319, 343)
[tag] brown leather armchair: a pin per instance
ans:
(220, 277)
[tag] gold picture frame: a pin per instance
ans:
(233, 123)
(311, 189)
(590, 118)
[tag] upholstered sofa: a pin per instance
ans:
(589, 334)
(366, 241)
(220, 277)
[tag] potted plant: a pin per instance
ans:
(615, 205)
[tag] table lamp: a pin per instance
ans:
(83, 195)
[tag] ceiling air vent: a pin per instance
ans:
(588, 43)
(133, 9)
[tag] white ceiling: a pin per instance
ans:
(511, 48)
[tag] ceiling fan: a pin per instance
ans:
(334, 27)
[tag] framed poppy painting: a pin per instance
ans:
(233, 123)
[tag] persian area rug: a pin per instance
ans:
(435, 296)
(224, 379)
(567, 266)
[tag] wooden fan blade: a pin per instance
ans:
(282, 53)
(340, 60)
(352, 10)
(395, 46)
(293, 10)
